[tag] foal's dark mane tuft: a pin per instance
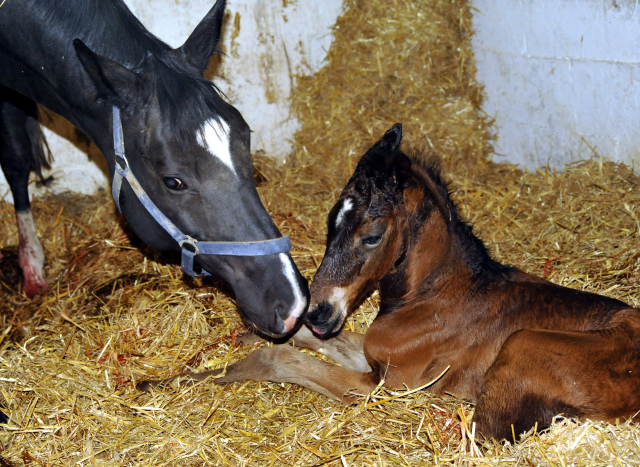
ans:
(429, 175)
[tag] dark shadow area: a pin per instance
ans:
(10, 272)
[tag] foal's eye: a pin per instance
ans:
(372, 241)
(174, 183)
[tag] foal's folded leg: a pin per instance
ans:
(284, 364)
(347, 348)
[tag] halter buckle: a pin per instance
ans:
(191, 242)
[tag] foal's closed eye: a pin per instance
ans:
(174, 183)
(372, 240)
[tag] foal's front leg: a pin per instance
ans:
(347, 348)
(284, 364)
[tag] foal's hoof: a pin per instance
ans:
(178, 381)
(175, 383)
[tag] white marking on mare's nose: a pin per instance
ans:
(214, 136)
(347, 205)
(300, 303)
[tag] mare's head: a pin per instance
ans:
(189, 149)
(393, 226)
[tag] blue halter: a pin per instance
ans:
(190, 246)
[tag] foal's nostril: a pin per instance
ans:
(321, 314)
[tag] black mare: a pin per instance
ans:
(187, 146)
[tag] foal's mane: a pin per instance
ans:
(109, 28)
(428, 175)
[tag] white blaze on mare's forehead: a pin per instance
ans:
(214, 136)
(347, 205)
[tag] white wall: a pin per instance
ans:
(558, 73)
(265, 41)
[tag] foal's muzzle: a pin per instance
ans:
(322, 321)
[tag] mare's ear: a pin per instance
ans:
(390, 141)
(202, 42)
(115, 83)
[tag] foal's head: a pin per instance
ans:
(364, 234)
(394, 226)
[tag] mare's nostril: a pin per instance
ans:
(281, 311)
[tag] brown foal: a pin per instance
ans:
(520, 347)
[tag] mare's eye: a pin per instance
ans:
(372, 241)
(174, 183)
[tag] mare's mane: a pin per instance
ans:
(106, 26)
(428, 176)
(109, 29)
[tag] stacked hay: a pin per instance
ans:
(118, 312)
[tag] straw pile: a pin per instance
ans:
(118, 312)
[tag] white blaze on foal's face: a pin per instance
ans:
(347, 205)
(338, 299)
(214, 136)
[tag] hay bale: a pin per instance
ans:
(118, 312)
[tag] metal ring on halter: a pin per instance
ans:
(191, 242)
(122, 171)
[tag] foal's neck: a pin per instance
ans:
(441, 256)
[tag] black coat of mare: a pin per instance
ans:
(187, 146)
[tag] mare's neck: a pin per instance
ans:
(50, 72)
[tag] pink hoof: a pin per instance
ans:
(34, 281)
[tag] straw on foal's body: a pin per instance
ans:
(523, 349)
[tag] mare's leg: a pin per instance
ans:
(21, 152)
(540, 374)
(284, 364)
(347, 348)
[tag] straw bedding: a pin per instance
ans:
(118, 312)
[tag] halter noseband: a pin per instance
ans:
(190, 246)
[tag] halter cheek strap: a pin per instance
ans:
(189, 245)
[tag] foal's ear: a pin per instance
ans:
(202, 42)
(115, 83)
(390, 141)
(401, 170)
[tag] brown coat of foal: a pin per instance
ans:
(520, 347)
